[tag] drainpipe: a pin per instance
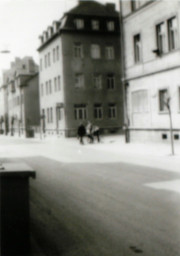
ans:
(123, 75)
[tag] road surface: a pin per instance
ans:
(84, 206)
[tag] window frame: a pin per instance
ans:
(79, 81)
(97, 81)
(112, 111)
(80, 112)
(110, 25)
(172, 34)
(109, 52)
(95, 51)
(98, 111)
(162, 108)
(79, 23)
(161, 37)
(95, 25)
(78, 50)
(137, 48)
(110, 79)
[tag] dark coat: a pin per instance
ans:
(81, 130)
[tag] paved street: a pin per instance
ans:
(89, 202)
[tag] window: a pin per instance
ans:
(58, 113)
(78, 50)
(50, 88)
(45, 61)
(139, 101)
(55, 84)
(47, 89)
(160, 34)
(57, 52)
(98, 111)
(110, 26)
(109, 52)
(135, 4)
(95, 51)
(95, 24)
(137, 48)
(80, 112)
(54, 54)
(59, 83)
(48, 115)
(79, 80)
(97, 81)
(110, 81)
(51, 115)
(112, 111)
(42, 89)
(49, 59)
(79, 23)
(172, 33)
(163, 96)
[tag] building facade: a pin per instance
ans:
(79, 70)
(21, 97)
(151, 68)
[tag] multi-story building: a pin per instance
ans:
(152, 68)
(21, 96)
(80, 70)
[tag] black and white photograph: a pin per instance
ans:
(89, 127)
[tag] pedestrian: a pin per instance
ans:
(81, 132)
(96, 132)
(89, 132)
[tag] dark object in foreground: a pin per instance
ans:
(14, 209)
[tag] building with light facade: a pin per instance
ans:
(80, 70)
(21, 97)
(151, 68)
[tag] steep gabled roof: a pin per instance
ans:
(93, 8)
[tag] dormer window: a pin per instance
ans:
(45, 34)
(50, 31)
(55, 26)
(79, 23)
(95, 24)
(110, 26)
(41, 39)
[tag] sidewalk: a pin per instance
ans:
(156, 155)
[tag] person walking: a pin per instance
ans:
(96, 132)
(81, 132)
(89, 132)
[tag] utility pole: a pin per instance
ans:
(167, 103)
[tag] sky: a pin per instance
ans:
(22, 21)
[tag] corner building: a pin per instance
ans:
(21, 97)
(152, 68)
(80, 70)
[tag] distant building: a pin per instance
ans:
(80, 70)
(21, 97)
(152, 68)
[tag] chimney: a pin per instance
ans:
(110, 7)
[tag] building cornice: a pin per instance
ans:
(151, 73)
